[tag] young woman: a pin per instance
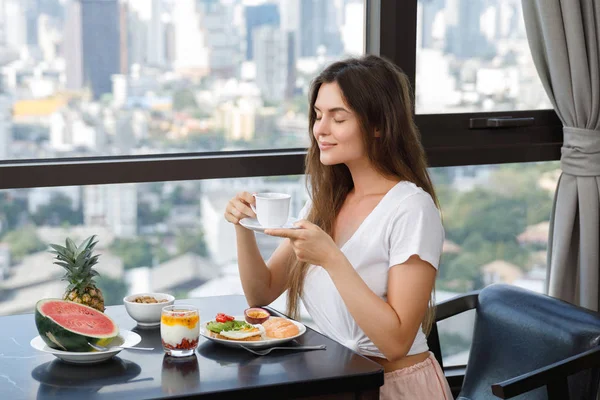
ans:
(365, 258)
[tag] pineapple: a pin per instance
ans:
(78, 262)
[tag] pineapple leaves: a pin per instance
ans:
(65, 265)
(71, 287)
(93, 260)
(71, 246)
(77, 261)
(58, 249)
(88, 244)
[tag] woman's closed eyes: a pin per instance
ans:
(337, 121)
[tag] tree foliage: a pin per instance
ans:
(113, 290)
(485, 222)
(184, 99)
(58, 212)
(23, 241)
(191, 241)
(134, 252)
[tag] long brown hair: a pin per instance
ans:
(379, 94)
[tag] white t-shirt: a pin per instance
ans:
(404, 223)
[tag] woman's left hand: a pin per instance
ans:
(311, 244)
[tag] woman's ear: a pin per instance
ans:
(377, 133)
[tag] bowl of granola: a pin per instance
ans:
(145, 308)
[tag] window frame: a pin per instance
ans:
(391, 31)
(447, 138)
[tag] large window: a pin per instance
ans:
(474, 56)
(96, 78)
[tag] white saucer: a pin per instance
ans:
(125, 338)
(253, 224)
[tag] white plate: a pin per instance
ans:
(125, 338)
(253, 345)
(253, 224)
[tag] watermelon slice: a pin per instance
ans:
(68, 326)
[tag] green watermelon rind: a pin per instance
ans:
(60, 338)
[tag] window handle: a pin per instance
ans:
(500, 122)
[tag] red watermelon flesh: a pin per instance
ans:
(69, 326)
(79, 319)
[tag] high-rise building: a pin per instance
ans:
(5, 127)
(353, 32)
(307, 36)
(222, 38)
(205, 40)
(464, 38)
(289, 11)
(289, 21)
(290, 81)
(92, 45)
(271, 58)
(49, 37)
(316, 24)
(122, 209)
(169, 43)
(33, 12)
(120, 90)
(114, 206)
(137, 38)
(123, 38)
(71, 129)
(15, 23)
(332, 32)
(429, 12)
(191, 50)
(259, 15)
(156, 35)
(313, 14)
(2, 23)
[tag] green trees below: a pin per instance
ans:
(113, 290)
(191, 241)
(58, 212)
(485, 222)
(133, 252)
(22, 242)
(494, 217)
(184, 99)
(141, 252)
(147, 216)
(12, 210)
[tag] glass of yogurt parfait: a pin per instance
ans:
(179, 330)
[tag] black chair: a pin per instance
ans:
(526, 346)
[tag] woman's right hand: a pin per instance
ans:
(239, 207)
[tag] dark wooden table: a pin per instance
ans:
(216, 372)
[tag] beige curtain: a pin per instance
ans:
(564, 41)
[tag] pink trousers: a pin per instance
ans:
(422, 381)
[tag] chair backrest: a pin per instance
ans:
(518, 331)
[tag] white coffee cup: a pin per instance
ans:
(272, 209)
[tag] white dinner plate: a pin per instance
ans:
(259, 344)
(253, 224)
(125, 338)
